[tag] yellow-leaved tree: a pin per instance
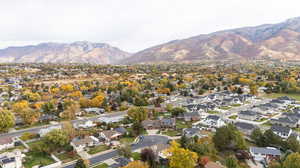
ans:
(180, 157)
(137, 164)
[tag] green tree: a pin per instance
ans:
(228, 137)
(231, 162)
(82, 163)
(125, 151)
(57, 138)
(177, 111)
(138, 114)
(7, 120)
(293, 144)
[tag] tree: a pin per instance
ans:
(253, 89)
(57, 138)
(136, 164)
(70, 112)
(82, 163)
(293, 144)
(147, 155)
(180, 157)
(97, 101)
(228, 137)
(292, 161)
(257, 137)
(231, 162)
(49, 108)
(7, 120)
(125, 151)
(67, 87)
(18, 106)
(29, 116)
(138, 114)
(69, 129)
(177, 111)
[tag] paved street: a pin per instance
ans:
(37, 129)
(145, 141)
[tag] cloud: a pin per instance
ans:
(131, 25)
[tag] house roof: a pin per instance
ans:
(265, 151)
(110, 133)
(213, 117)
(6, 160)
(82, 141)
(121, 130)
(248, 112)
(278, 128)
(243, 125)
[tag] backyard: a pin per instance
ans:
(37, 158)
(97, 149)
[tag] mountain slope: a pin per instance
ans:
(77, 52)
(274, 41)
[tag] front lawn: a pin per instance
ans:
(127, 140)
(98, 149)
(36, 158)
(171, 133)
(236, 105)
(233, 117)
(183, 124)
(67, 157)
(103, 165)
(212, 112)
(276, 95)
(225, 107)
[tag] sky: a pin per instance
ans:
(131, 25)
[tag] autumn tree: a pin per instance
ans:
(292, 161)
(81, 163)
(253, 89)
(67, 87)
(70, 112)
(57, 138)
(180, 157)
(7, 120)
(67, 126)
(138, 114)
(29, 115)
(136, 164)
(148, 156)
(125, 151)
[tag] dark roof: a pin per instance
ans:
(244, 125)
(6, 160)
(285, 120)
(248, 112)
(213, 117)
(121, 130)
(278, 128)
(191, 131)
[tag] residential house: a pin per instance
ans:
(79, 144)
(94, 110)
(245, 128)
(44, 131)
(110, 135)
(213, 121)
(193, 132)
(191, 116)
(112, 119)
(260, 154)
(283, 132)
(121, 130)
(248, 115)
(163, 123)
(11, 159)
(86, 124)
(7, 142)
(286, 122)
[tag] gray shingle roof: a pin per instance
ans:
(265, 151)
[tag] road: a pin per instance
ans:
(37, 129)
(145, 141)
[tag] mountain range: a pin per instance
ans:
(279, 41)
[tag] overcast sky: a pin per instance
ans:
(131, 25)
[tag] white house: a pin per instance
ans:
(7, 142)
(110, 135)
(79, 144)
(11, 159)
(44, 131)
(213, 121)
(86, 124)
(112, 119)
(283, 132)
(260, 154)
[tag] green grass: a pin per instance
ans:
(136, 156)
(225, 108)
(171, 133)
(126, 140)
(97, 149)
(103, 165)
(262, 119)
(66, 157)
(31, 144)
(35, 158)
(21, 147)
(236, 105)
(233, 117)
(275, 95)
(212, 112)
(183, 124)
